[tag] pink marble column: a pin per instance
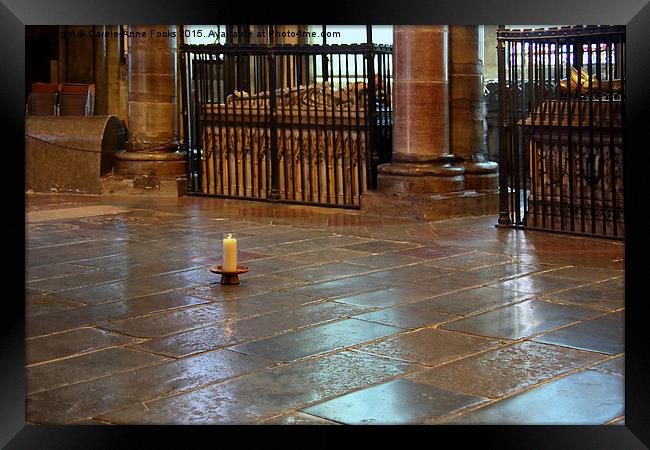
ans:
(421, 162)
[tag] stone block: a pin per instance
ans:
(71, 153)
(429, 207)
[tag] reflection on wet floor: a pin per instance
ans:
(343, 317)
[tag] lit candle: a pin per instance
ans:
(229, 253)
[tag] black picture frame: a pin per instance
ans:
(635, 14)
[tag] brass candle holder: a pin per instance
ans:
(229, 277)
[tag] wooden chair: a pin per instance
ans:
(42, 100)
(76, 99)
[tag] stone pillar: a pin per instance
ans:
(151, 146)
(117, 72)
(101, 70)
(423, 180)
(467, 107)
(63, 55)
(421, 163)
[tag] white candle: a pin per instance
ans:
(229, 253)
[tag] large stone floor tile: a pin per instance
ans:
(276, 300)
(470, 260)
(169, 322)
(85, 367)
(269, 265)
(607, 295)
(323, 256)
(409, 274)
(124, 290)
(398, 402)
(249, 285)
(429, 346)
(385, 261)
(582, 398)
(297, 418)
(339, 241)
(613, 366)
(385, 297)
(341, 287)
(192, 277)
(101, 396)
(472, 301)
(446, 283)
(540, 284)
(583, 273)
(507, 369)
(90, 421)
(374, 299)
(309, 245)
(58, 270)
(260, 395)
(231, 333)
(216, 259)
(248, 241)
(69, 343)
(605, 334)
(377, 246)
(520, 320)
(98, 314)
(154, 268)
(71, 253)
(505, 271)
(411, 315)
(37, 304)
(164, 323)
(431, 252)
(80, 279)
(316, 340)
(120, 260)
(325, 272)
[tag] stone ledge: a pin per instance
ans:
(430, 207)
(149, 186)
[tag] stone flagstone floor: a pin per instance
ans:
(344, 318)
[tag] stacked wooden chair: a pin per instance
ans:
(43, 99)
(67, 99)
(76, 100)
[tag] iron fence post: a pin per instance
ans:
(184, 118)
(504, 210)
(371, 118)
(273, 126)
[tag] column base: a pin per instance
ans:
(430, 191)
(144, 185)
(161, 164)
(429, 207)
(481, 176)
(419, 178)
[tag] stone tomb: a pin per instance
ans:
(70, 154)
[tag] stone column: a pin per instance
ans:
(423, 180)
(421, 163)
(117, 72)
(151, 146)
(101, 70)
(467, 107)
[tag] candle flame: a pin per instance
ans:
(229, 236)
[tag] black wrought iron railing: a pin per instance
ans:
(294, 123)
(561, 135)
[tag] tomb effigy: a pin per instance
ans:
(562, 96)
(321, 131)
